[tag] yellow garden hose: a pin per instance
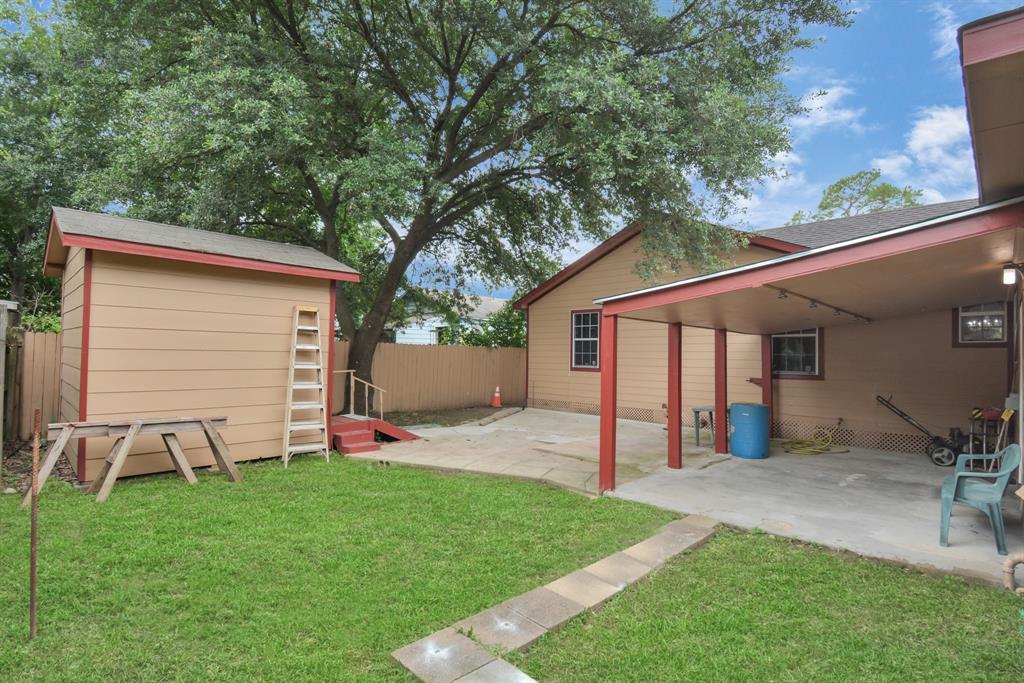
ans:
(820, 443)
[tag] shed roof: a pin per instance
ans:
(105, 232)
(820, 233)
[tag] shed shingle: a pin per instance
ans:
(105, 226)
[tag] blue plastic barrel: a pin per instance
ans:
(748, 426)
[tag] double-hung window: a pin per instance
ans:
(586, 327)
(797, 354)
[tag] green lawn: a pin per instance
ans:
(312, 573)
(753, 607)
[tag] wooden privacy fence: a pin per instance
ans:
(415, 377)
(439, 377)
(33, 381)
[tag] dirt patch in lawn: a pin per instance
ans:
(17, 468)
(442, 418)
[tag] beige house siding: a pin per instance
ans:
(72, 308)
(643, 346)
(169, 338)
(913, 360)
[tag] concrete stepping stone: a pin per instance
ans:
(666, 545)
(619, 570)
(583, 588)
(498, 671)
(502, 627)
(442, 657)
(544, 606)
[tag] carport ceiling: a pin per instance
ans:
(936, 278)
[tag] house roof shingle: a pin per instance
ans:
(121, 229)
(820, 233)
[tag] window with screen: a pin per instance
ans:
(586, 327)
(797, 353)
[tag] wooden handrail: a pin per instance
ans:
(352, 379)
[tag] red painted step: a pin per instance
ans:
(359, 436)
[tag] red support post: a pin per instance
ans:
(767, 395)
(675, 396)
(609, 379)
(721, 395)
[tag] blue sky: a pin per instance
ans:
(894, 101)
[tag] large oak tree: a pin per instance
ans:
(481, 136)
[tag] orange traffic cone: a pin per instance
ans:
(496, 399)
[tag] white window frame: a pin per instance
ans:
(809, 332)
(960, 313)
(573, 339)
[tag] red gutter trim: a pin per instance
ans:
(83, 370)
(330, 363)
(588, 259)
(616, 241)
(137, 249)
(1009, 215)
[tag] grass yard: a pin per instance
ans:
(753, 607)
(312, 573)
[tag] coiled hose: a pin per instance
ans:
(821, 442)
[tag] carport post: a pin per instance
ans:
(609, 379)
(766, 378)
(721, 397)
(675, 396)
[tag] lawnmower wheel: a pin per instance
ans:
(943, 457)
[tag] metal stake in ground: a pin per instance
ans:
(34, 534)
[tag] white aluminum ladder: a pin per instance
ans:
(311, 388)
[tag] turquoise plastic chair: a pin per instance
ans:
(981, 490)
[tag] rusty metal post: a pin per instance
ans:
(34, 540)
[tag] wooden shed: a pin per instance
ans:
(161, 320)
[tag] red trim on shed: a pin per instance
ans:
(83, 370)
(330, 362)
(169, 253)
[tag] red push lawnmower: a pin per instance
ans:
(941, 451)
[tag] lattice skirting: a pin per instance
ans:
(782, 429)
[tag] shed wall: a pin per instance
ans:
(71, 312)
(170, 338)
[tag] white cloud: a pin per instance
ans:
(937, 155)
(944, 30)
(777, 199)
(827, 108)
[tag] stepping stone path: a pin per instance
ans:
(464, 652)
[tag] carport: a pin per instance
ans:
(933, 265)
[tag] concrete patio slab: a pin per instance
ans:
(584, 588)
(501, 627)
(544, 606)
(498, 671)
(541, 445)
(874, 503)
(442, 657)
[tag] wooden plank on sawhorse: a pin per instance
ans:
(178, 458)
(153, 425)
(220, 452)
(115, 461)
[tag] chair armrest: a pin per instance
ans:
(964, 458)
(978, 475)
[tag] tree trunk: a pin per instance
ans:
(367, 337)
